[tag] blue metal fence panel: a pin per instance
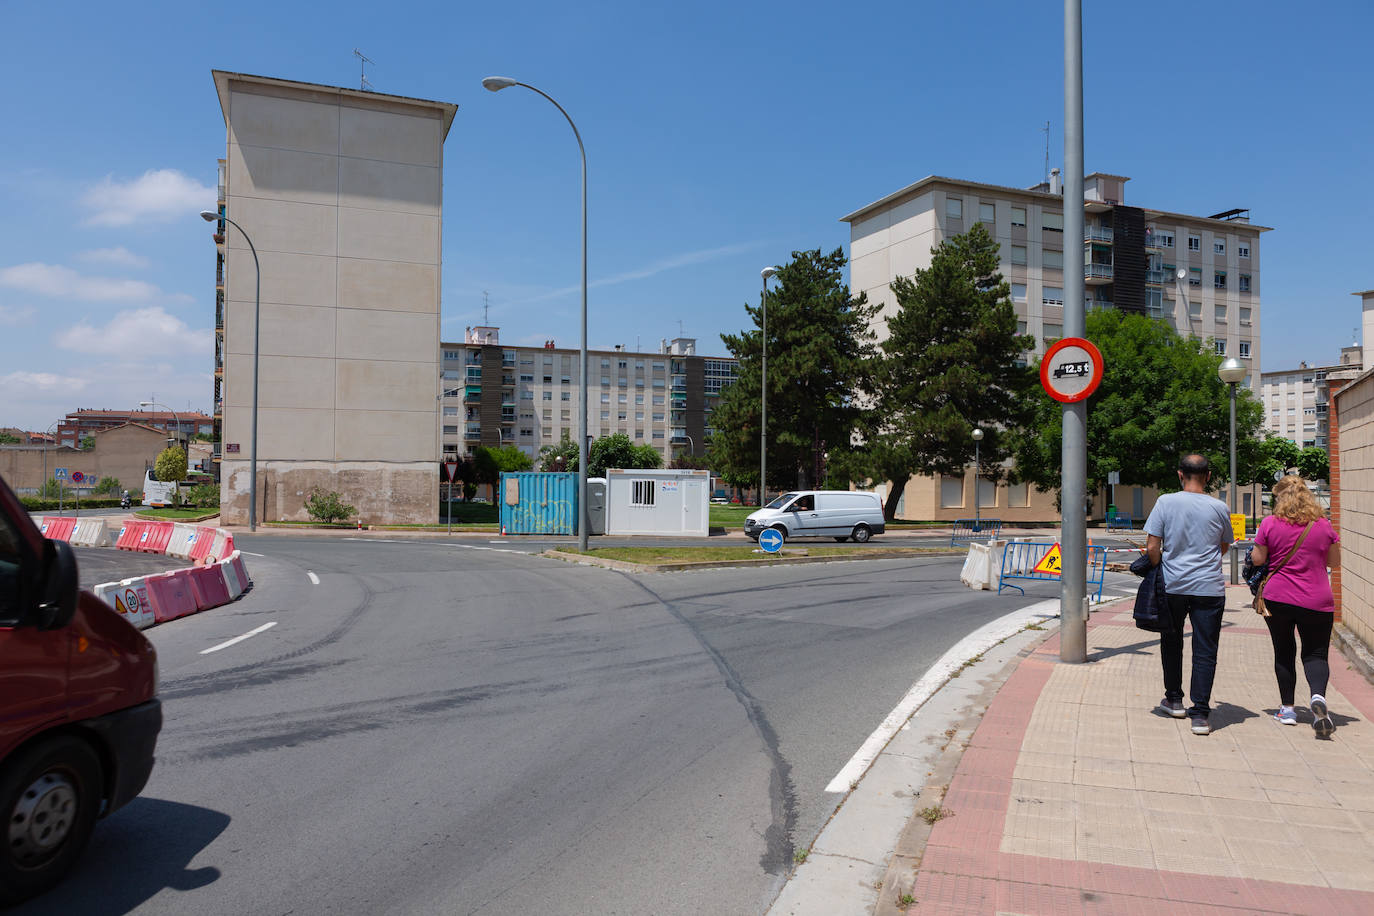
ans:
(968, 530)
(1118, 522)
(534, 502)
(1020, 558)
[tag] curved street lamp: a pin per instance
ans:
(176, 419)
(763, 387)
(211, 216)
(1232, 372)
(496, 84)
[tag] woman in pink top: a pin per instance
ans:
(1298, 595)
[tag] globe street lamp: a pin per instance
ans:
(763, 387)
(977, 441)
(496, 84)
(211, 216)
(1232, 371)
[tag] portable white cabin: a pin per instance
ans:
(670, 503)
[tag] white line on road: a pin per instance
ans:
(229, 642)
(251, 554)
(975, 643)
(314, 579)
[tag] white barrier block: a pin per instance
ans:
(92, 532)
(231, 575)
(130, 598)
(982, 565)
(183, 536)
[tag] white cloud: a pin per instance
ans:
(12, 316)
(64, 283)
(16, 384)
(146, 331)
(158, 195)
(119, 256)
(686, 259)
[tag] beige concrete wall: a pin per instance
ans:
(921, 501)
(122, 452)
(1352, 482)
(342, 194)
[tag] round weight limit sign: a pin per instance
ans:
(1071, 370)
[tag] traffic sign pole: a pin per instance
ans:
(1073, 477)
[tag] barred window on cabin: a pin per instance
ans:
(643, 493)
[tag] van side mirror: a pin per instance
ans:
(57, 601)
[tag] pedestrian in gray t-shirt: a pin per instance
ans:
(1189, 532)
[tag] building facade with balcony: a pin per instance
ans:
(85, 422)
(1297, 402)
(341, 191)
(1198, 273)
(495, 395)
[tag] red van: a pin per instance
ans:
(79, 713)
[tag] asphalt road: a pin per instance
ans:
(459, 727)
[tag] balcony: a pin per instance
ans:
(1097, 274)
(1097, 234)
(472, 431)
(472, 392)
(1157, 276)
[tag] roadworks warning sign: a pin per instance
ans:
(1050, 563)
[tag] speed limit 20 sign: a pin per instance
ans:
(1071, 370)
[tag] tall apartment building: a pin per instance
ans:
(341, 193)
(1130, 256)
(1297, 401)
(528, 396)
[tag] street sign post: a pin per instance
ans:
(1071, 370)
(59, 475)
(770, 539)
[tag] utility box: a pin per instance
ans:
(596, 505)
(669, 503)
(532, 502)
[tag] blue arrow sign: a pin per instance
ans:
(770, 539)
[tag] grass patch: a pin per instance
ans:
(471, 513)
(934, 813)
(800, 855)
(180, 515)
(651, 556)
(906, 899)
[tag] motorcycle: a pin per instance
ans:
(124, 501)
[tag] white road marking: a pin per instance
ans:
(250, 553)
(313, 578)
(496, 542)
(974, 644)
(229, 642)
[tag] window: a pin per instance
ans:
(548, 395)
(1219, 279)
(1154, 303)
(527, 395)
(1020, 327)
(1163, 239)
(565, 415)
(1195, 276)
(1052, 222)
(639, 416)
(1052, 260)
(1018, 254)
(605, 364)
(639, 398)
(658, 417)
(658, 383)
(565, 396)
(642, 493)
(1242, 249)
(605, 399)
(548, 415)
(624, 399)
(1219, 314)
(1018, 292)
(639, 364)
(1194, 311)
(605, 414)
(658, 434)
(1244, 283)
(1018, 495)
(623, 383)
(1218, 246)
(548, 360)
(450, 430)
(1194, 243)
(658, 400)
(987, 492)
(954, 208)
(1018, 217)
(622, 364)
(606, 380)
(526, 378)
(526, 433)
(451, 354)
(987, 212)
(1244, 316)
(548, 380)
(1052, 295)
(639, 383)
(622, 416)
(951, 492)
(1221, 347)
(1053, 332)
(450, 411)
(658, 367)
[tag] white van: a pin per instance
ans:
(841, 514)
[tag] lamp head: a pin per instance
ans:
(497, 83)
(1181, 274)
(209, 215)
(977, 434)
(769, 272)
(1231, 371)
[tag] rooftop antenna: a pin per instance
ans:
(680, 332)
(1046, 129)
(484, 308)
(363, 61)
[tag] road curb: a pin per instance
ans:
(869, 554)
(1355, 651)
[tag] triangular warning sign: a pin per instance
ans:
(119, 606)
(1050, 562)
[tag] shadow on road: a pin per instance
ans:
(139, 851)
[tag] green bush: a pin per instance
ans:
(326, 506)
(41, 504)
(171, 464)
(204, 496)
(108, 485)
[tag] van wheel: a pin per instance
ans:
(49, 798)
(861, 534)
(782, 531)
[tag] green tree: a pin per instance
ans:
(820, 342)
(949, 364)
(1313, 464)
(86, 443)
(489, 463)
(1160, 399)
(565, 449)
(170, 464)
(1262, 460)
(619, 451)
(107, 486)
(9, 439)
(204, 496)
(327, 506)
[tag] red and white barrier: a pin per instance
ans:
(207, 586)
(58, 527)
(155, 538)
(129, 534)
(203, 544)
(130, 598)
(232, 582)
(183, 536)
(171, 595)
(92, 532)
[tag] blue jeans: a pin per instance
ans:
(1205, 612)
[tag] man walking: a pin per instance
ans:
(1189, 532)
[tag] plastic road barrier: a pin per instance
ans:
(129, 534)
(203, 544)
(156, 537)
(231, 577)
(207, 586)
(58, 527)
(183, 536)
(130, 598)
(236, 560)
(171, 595)
(92, 532)
(224, 544)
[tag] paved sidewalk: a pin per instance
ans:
(1076, 796)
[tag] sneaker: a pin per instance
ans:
(1286, 716)
(1201, 726)
(1321, 721)
(1172, 708)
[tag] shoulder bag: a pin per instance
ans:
(1258, 603)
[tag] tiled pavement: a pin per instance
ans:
(1076, 796)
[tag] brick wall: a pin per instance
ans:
(1352, 503)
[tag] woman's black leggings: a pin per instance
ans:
(1314, 629)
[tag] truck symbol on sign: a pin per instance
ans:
(1080, 369)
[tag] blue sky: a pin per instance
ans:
(720, 138)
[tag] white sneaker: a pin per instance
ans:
(1321, 721)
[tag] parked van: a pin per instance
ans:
(841, 514)
(79, 713)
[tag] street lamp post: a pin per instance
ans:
(977, 441)
(211, 216)
(496, 84)
(763, 387)
(691, 446)
(175, 419)
(1232, 372)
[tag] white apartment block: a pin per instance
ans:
(528, 396)
(1199, 273)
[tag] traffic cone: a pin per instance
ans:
(503, 529)
(360, 524)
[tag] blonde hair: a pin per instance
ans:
(1294, 502)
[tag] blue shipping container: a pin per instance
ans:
(538, 503)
